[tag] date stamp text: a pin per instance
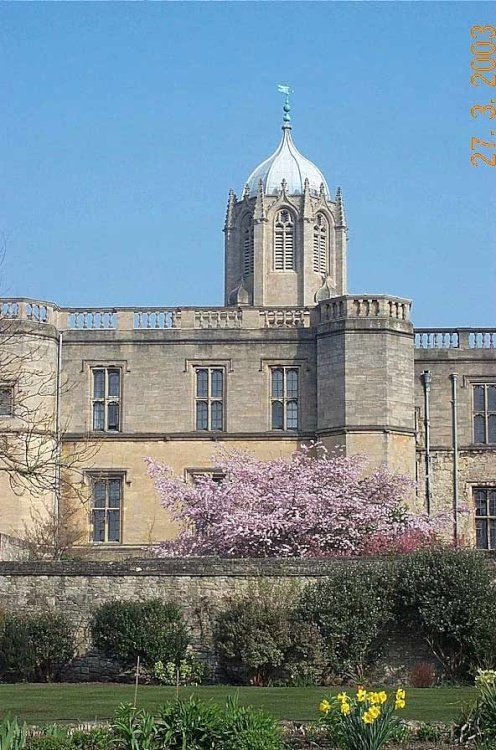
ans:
(483, 48)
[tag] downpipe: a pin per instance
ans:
(58, 451)
(454, 424)
(426, 382)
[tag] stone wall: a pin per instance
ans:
(76, 588)
(476, 463)
(12, 548)
(476, 468)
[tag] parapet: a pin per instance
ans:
(370, 307)
(364, 307)
(155, 318)
(455, 338)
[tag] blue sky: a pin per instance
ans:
(124, 125)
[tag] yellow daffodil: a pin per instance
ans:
(361, 695)
(345, 708)
(373, 698)
(400, 695)
(342, 697)
(382, 696)
(324, 706)
(375, 711)
(400, 703)
(367, 718)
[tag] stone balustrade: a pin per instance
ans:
(151, 318)
(455, 338)
(92, 319)
(378, 306)
(285, 318)
(26, 309)
(164, 318)
(146, 319)
(222, 318)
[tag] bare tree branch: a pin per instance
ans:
(52, 533)
(32, 454)
(36, 461)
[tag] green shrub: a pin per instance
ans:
(248, 729)
(353, 609)
(35, 648)
(49, 742)
(192, 724)
(448, 597)
(98, 738)
(426, 732)
(153, 630)
(189, 671)
(197, 725)
(56, 737)
(258, 642)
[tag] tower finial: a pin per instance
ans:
(283, 88)
(230, 208)
(340, 210)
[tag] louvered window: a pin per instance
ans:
(321, 245)
(247, 235)
(284, 242)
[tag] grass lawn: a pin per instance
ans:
(38, 704)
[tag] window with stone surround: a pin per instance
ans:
(192, 475)
(106, 399)
(485, 517)
(106, 508)
(484, 413)
(6, 400)
(284, 398)
(284, 241)
(209, 398)
(321, 245)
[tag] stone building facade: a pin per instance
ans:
(291, 357)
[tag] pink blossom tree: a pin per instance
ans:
(312, 504)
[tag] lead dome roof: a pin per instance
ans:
(286, 163)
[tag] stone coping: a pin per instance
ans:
(186, 566)
(191, 567)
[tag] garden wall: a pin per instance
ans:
(12, 548)
(75, 588)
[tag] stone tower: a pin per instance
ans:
(285, 238)
(285, 246)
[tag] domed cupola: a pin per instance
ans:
(286, 163)
(285, 236)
